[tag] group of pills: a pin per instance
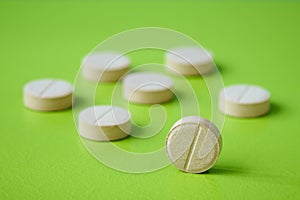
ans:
(193, 144)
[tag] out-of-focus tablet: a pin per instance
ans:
(147, 88)
(194, 144)
(189, 61)
(105, 66)
(48, 95)
(244, 101)
(104, 123)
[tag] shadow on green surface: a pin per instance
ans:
(274, 109)
(283, 178)
(220, 67)
(225, 171)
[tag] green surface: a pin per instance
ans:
(41, 156)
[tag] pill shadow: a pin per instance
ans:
(225, 171)
(78, 102)
(256, 175)
(275, 109)
(221, 68)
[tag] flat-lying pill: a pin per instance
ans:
(105, 66)
(194, 144)
(48, 95)
(104, 123)
(244, 101)
(147, 88)
(189, 61)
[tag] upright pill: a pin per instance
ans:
(105, 66)
(244, 101)
(48, 95)
(104, 123)
(147, 88)
(193, 144)
(189, 61)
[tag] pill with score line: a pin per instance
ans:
(104, 123)
(193, 144)
(48, 95)
(244, 101)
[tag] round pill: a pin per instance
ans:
(105, 66)
(194, 144)
(104, 123)
(244, 101)
(147, 88)
(189, 61)
(48, 95)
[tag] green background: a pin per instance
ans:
(41, 155)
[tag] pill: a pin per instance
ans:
(104, 123)
(48, 95)
(105, 66)
(189, 61)
(193, 144)
(147, 88)
(244, 101)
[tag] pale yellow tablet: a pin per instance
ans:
(48, 95)
(105, 66)
(104, 123)
(193, 144)
(189, 61)
(147, 88)
(244, 101)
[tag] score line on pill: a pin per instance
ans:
(193, 144)
(48, 95)
(244, 101)
(147, 88)
(105, 66)
(104, 123)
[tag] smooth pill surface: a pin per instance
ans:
(194, 144)
(105, 66)
(244, 101)
(104, 123)
(48, 95)
(147, 88)
(189, 61)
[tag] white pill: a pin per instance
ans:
(194, 144)
(244, 101)
(104, 123)
(105, 66)
(147, 88)
(189, 61)
(48, 95)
